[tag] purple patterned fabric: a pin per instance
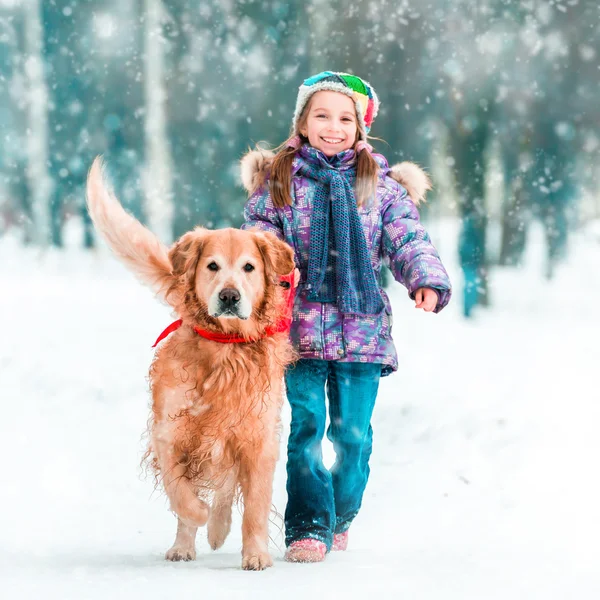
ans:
(394, 236)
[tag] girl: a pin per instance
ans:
(344, 212)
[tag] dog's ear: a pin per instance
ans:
(277, 255)
(185, 253)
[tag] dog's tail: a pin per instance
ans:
(141, 251)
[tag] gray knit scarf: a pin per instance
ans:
(339, 266)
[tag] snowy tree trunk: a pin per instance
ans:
(514, 223)
(38, 177)
(468, 147)
(158, 172)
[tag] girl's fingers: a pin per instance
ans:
(428, 303)
(425, 299)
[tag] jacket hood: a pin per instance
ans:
(255, 167)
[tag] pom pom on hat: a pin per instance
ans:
(364, 96)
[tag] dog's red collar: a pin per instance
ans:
(283, 325)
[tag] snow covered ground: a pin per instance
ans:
(484, 480)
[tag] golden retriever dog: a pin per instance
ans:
(217, 378)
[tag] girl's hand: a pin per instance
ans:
(426, 298)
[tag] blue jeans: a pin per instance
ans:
(322, 502)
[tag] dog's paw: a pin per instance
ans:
(217, 535)
(218, 528)
(256, 561)
(180, 553)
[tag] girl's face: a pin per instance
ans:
(330, 124)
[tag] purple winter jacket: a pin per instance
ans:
(394, 236)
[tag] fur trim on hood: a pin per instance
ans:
(411, 177)
(255, 166)
(255, 170)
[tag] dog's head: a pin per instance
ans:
(229, 277)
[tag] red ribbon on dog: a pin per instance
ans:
(283, 325)
(170, 329)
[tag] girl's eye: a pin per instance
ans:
(213, 266)
(347, 119)
(248, 267)
(320, 116)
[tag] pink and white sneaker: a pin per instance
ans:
(307, 550)
(340, 542)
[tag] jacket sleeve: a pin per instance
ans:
(260, 212)
(408, 251)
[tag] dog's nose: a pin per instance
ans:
(229, 296)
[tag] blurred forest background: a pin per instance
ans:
(497, 98)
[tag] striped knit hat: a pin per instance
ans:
(364, 96)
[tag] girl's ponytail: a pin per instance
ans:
(280, 180)
(367, 171)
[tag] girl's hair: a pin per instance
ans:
(280, 180)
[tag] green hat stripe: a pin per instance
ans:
(355, 83)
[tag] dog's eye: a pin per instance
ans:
(248, 267)
(285, 285)
(213, 266)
